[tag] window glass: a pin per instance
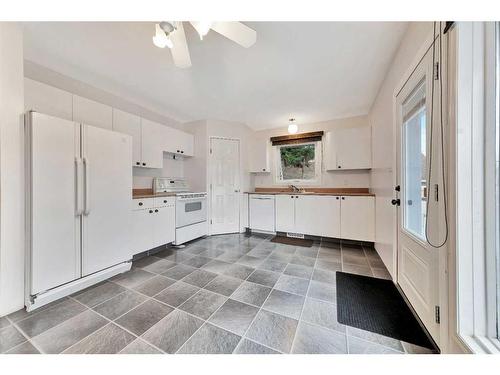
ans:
(298, 162)
(415, 163)
(192, 206)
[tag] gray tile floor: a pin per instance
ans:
(222, 294)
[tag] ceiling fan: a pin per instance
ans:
(171, 34)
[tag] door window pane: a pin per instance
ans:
(415, 163)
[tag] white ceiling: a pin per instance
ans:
(313, 71)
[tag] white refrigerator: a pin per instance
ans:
(79, 187)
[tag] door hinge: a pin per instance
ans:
(436, 71)
(437, 314)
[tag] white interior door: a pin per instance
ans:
(417, 261)
(225, 185)
(55, 216)
(107, 159)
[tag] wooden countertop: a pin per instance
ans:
(148, 193)
(315, 191)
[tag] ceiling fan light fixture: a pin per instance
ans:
(161, 39)
(202, 27)
(292, 126)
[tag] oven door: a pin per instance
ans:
(190, 211)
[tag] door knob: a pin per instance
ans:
(396, 202)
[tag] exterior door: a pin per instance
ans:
(225, 185)
(417, 272)
(107, 160)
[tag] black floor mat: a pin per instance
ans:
(375, 305)
(292, 241)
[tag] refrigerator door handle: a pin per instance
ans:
(78, 193)
(87, 189)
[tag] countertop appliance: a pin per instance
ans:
(191, 208)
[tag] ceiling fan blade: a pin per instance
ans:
(180, 51)
(237, 32)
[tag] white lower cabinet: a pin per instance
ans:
(346, 217)
(261, 212)
(153, 225)
(143, 235)
(358, 218)
(285, 213)
(318, 216)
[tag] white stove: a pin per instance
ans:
(190, 208)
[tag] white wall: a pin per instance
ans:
(359, 179)
(381, 120)
(143, 177)
(11, 169)
(42, 74)
(195, 167)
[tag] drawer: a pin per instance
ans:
(164, 201)
(140, 204)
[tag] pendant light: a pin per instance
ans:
(292, 126)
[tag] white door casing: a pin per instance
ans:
(107, 161)
(224, 185)
(417, 261)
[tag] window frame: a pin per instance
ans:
(476, 187)
(317, 165)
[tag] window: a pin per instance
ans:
(477, 186)
(415, 161)
(299, 163)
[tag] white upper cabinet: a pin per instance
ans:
(258, 156)
(178, 142)
(92, 113)
(127, 123)
(47, 99)
(358, 218)
(153, 137)
(348, 149)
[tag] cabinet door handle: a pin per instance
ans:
(78, 197)
(86, 210)
(137, 163)
(140, 203)
(156, 210)
(343, 198)
(150, 211)
(178, 150)
(339, 166)
(263, 169)
(164, 201)
(144, 164)
(182, 152)
(338, 198)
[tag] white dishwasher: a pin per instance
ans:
(261, 212)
